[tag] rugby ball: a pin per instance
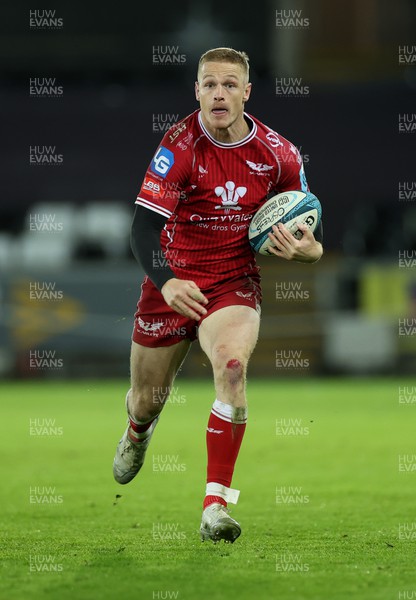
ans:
(290, 208)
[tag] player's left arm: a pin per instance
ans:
(309, 248)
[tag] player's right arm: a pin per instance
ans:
(182, 295)
(166, 176)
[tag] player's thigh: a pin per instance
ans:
(152, 368)
(229, 333)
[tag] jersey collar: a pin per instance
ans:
(248, 137)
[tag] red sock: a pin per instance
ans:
(223, 444)
(211, 499)
(137, 432)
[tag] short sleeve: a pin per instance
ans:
(167, 175)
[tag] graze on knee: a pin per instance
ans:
(234, 364)
(234, 371)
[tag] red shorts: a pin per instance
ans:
(156, 324)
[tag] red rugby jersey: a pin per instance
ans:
(209, 192)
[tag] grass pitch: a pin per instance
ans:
(325, 508)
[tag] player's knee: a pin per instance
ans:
(234, 371)
(229, 366)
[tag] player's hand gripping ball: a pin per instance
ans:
(289, 208)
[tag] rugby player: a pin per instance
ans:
(207, 178)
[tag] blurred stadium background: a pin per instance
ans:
(85, 100)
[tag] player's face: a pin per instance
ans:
(222, 90)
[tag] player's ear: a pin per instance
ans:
(196, 90)
(247, 92)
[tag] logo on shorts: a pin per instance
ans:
(147, 326)
(211, 430)
(230, 196)
(243, 295)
